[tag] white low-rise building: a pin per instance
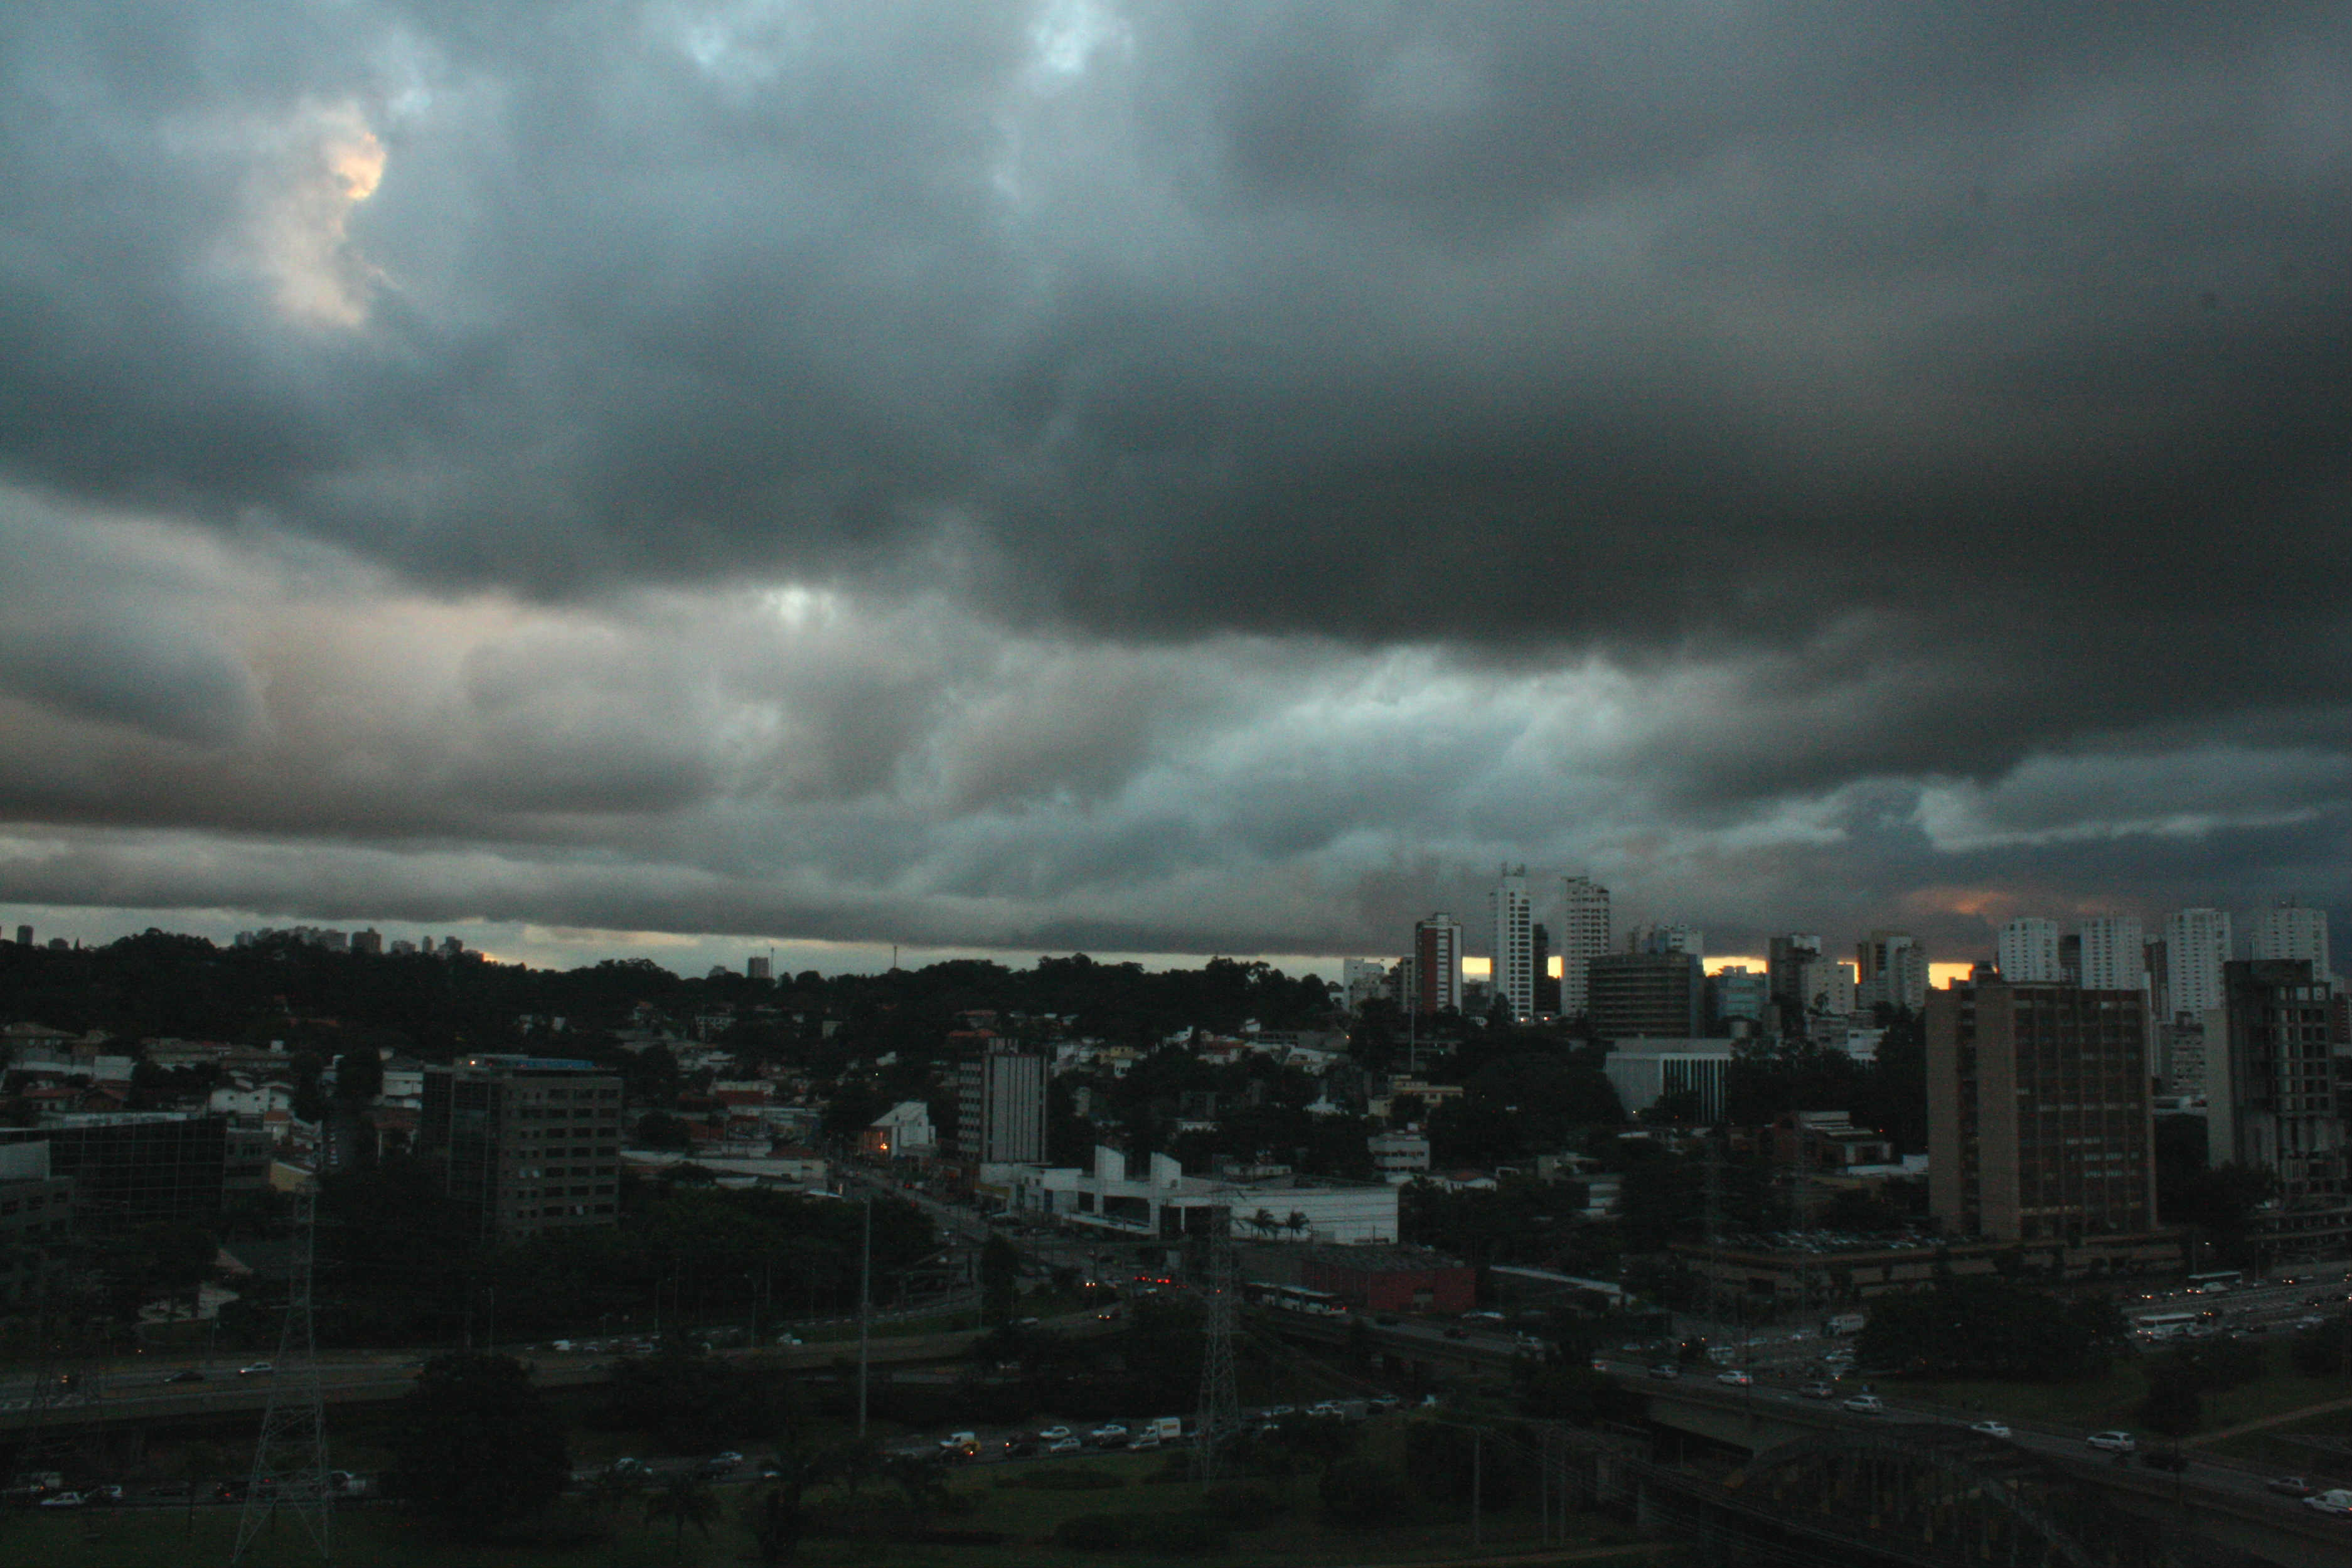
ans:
(1154, 1197)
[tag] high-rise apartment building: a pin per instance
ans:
(1583, 937)
(531, 1144)
(2270, 1078)
(2038, 1113)
(1547, 983)
(1436, 965)
(2115, 953)
(2028, 953)
(1000, 1108)
(1827, 986)
(1784, 966)
(1666, 937)
(758, 967)
(2288, 932)
(2196, 945)
(1513, 916)
(1890, 966)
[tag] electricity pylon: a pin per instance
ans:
(290, 1462)
(1220, 1420)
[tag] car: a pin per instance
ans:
(626, 1466)
(1482, 1317)
(62, 1500)
(1148, 1440)
(1276, 1412)
(1820, 1390)
(1020, 1446)
(102, 1497)
(1736, 1378)
(1863, 1405)
(789, 1339)
(2288, 1485)
(1599, 1364)
(1053, 1433)
(1665, 1372)
(2338, 1502)
(2114, 1442)
(1989, 1428)
(255, 1369)
(185, 1375)
(1063, 1445)
(1384, 1402)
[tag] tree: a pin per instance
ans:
(2173, 1407)
(359, 1076)
(1984, 1327)
(1360, 1493)
(683, 1499)
(475, 1444)
(1000, 1267)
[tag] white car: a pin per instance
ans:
(1990, 1428)
(2114, 1442)
(2338, 1502)
(1863, 1405)
(1736, 1379)
(1052, 1434)
(258, 1369)
(1063, 1445)
(1107, 1430)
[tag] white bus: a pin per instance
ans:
(2164, 1325)
(2215, 1283)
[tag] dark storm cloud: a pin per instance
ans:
(1266, 454)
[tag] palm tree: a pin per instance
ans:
(685, 1499)
(1263, 1222)
(1296, 1224)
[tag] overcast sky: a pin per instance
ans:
(1172, 478)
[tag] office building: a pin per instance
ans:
(1890, 970)
(133, 1169)
(35, 1222)
(531, 1144)
(2270, 1072)
(2027, 954)
(1686, 1073)
(1740, 1001)
(1659, 994)
(1512, 917)
(2115, 953)
(758, 968)
(1583, 937)
(2039, 1120)
(1436, 965)
(1000, 1108)
(2289, 933)
(2196, 945)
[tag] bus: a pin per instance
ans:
(1295, 1298)
(2165, 1325)
(2216, 1282)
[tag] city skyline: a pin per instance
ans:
(1117, 478)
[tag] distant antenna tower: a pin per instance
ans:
(1220, 1421)
(290, 1462)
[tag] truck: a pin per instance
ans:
(1166, 1429)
